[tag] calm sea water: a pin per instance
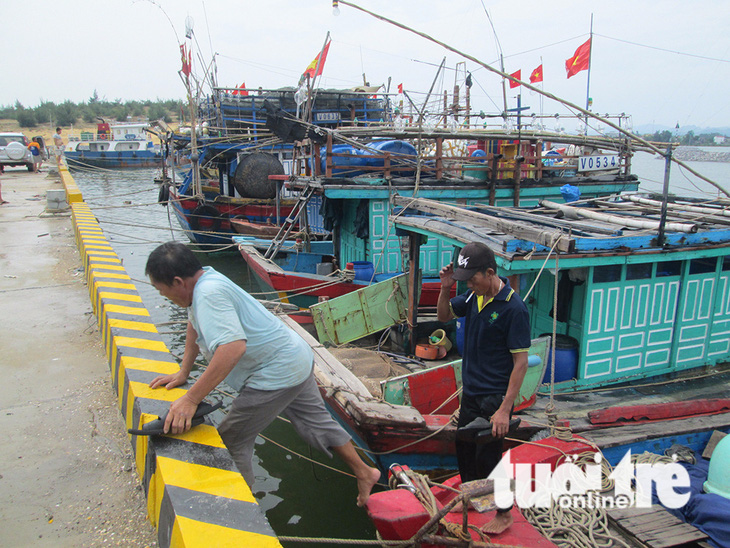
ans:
(299, 498)
(650, 169)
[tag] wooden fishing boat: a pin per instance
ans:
(246, 160)
(426, 512)
(215, 218)
(640, 294)
(635, 302)
(306, 277)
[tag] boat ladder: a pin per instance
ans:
(298, 211)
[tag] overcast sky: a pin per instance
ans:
(676, 71)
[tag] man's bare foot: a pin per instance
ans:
(500, 523)
(365, 484)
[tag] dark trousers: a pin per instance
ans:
(478, 461)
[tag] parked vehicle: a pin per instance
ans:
(14, 151)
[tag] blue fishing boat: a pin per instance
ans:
(113, 145)
(245, 152)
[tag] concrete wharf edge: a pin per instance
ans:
(195, 495)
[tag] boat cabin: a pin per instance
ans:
(637, 295)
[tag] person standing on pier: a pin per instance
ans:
(256, 353)
(494, 363)
(35, 152)
(58, 144)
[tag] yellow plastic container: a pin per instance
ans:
(439, 338)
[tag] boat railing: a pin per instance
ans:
(505, 161)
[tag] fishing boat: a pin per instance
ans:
(244, 162)
(424, 511)
(113, 145)
(635, 312)
(360, 169)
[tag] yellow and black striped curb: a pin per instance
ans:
(195, 495)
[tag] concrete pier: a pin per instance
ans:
(67, 476)
(194, 494)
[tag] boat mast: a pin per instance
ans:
(588, 84)
(430, 90)
(312, 86)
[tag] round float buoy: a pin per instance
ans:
(251, 178)
(205, 218)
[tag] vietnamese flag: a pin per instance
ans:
(187, 63)
(581, 59)
(240, 90)
(536, 75)
(312, 67)
(400, 88)
(518, 75)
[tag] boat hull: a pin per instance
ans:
(304, 287)
(114, 160)
(209, 222)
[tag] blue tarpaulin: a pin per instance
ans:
(708, 512)
(570, 193)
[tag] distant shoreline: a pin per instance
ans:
(695, 154)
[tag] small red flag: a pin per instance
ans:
(536, 75)
(581, 59)
(312, 67)
(518, 75)
(186, 61)
(400, 88)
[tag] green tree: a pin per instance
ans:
(26, 118)
(67, 113)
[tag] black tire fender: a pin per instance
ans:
(206, 217)
(164, 195)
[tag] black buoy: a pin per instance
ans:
(251, 178)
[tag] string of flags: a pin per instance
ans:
(580, 61)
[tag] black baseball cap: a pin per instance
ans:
(474, 257)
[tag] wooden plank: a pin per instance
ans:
(655, 526)
(669, 538)
(542, 236)
(714, 440)
(650, 522)
(329, 367)
(621, 435)
(385, 415)
(621, 513)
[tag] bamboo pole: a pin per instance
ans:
(724, 212)
(620, 220)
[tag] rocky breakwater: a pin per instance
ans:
(694, 154)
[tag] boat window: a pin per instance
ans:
(726, 263)
(705, 265)
(668, 268)
(609, 273)
(638, 271)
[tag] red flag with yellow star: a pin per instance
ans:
(581, 59)
(536, 75)
(312, 67)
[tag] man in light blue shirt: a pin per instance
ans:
(256, 353)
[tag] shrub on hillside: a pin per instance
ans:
(26, 118)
